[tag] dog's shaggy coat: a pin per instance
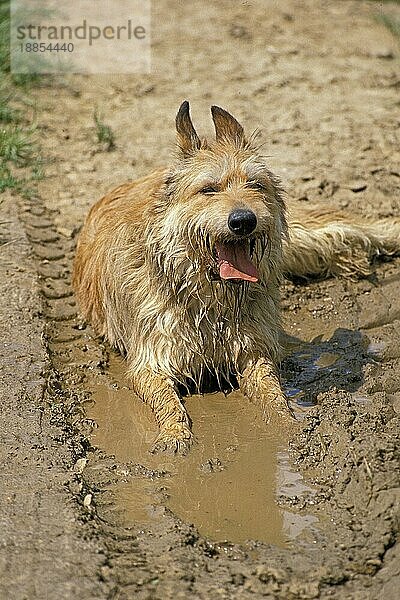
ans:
(180, 271)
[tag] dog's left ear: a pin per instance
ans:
(188, 140)
(227, 128)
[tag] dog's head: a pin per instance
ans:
(224, 204)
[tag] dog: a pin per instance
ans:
(180, 272)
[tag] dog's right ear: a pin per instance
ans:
(188, 140)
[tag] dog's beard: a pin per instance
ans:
(214, 272)
(217, 306)
(220, 276)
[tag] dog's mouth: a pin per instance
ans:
(235, 260)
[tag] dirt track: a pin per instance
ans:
(320, 79)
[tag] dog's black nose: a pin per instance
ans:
(242, 221)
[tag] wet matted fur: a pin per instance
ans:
(180, 271)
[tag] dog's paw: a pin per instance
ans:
(174, 440)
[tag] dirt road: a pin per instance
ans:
(84, 512)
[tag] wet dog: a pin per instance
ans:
(180, 271)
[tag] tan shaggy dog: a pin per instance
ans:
(180, 271)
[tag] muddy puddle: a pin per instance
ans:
(229, 483)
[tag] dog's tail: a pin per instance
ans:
(324, 243)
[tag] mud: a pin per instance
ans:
(87, 512)
(225, 487)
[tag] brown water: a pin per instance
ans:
(228, 484)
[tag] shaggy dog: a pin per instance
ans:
(180, 271)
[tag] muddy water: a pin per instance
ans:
(228, 484)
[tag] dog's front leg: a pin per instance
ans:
(173, 420)
(260, 383)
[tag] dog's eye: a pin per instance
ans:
(256, 185)
(208, 190)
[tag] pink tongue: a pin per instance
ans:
(234, 262)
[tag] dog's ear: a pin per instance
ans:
(226, 127)
(188, 140)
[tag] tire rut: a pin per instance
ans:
(72, 350)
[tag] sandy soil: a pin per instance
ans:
(321, 81)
